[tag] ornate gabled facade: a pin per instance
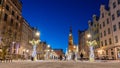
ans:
(94, 31)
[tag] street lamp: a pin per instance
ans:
(91, 45)
(48, 50)
(88, 35)
(34, 42)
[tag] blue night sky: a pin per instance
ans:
(54, 17)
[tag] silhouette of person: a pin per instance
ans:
(73, 56)
(60, 57)
(81, 55)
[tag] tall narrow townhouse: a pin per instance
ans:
(94, 31)
(115, 18)
(10, 26)
(106, 51)
(82, 45)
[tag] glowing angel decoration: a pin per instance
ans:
(91, 45)
(34, 43)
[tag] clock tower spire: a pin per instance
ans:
(70, 42)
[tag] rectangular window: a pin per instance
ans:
(7, 7)
(112, 53)
(110, 41)
(17, 17)
(104, 33)
(113, 17)
(114, 28)
(16, 25)
(109, 14)
(94, 25)
(107, 21)
(119, 25)
(100, 26)
(114, 5)
(105, 42)
(101, 34)
(118, 13)
(118, 1)
(0, 1)
(102, 15)
(106, 52)
(103, 24)
(116, 39)
(5, 17)
(13, 13)
(109, 31)
(11, 22)
(101, 43)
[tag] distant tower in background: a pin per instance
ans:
(70, 42)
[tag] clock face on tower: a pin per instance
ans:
(70, 34)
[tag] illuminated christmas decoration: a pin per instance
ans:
(34, 43)
(91, 45)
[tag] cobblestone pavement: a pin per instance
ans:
(59, 64)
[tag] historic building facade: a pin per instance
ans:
(15, 32)
(114, 6)
(26, 35)
(82, 46)
(93, 30)
(109, 30)
(106, 35)
(106, 31)
(41, 50)
(10, 26)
